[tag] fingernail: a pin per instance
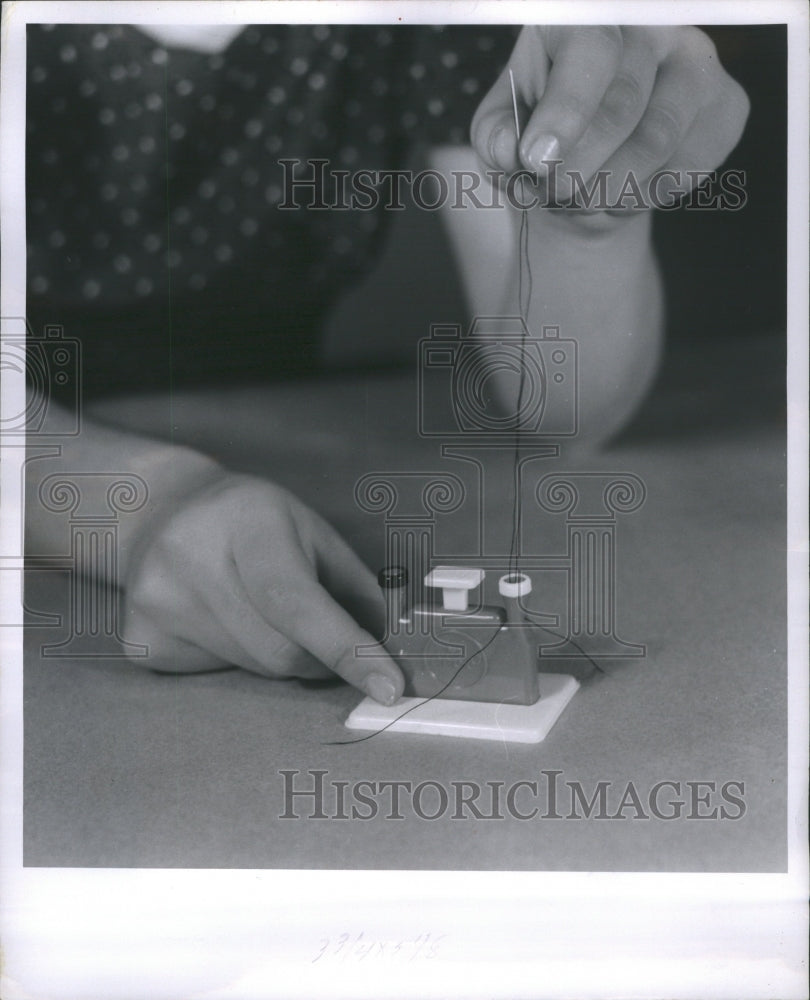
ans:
(545, 147)
(381, 688)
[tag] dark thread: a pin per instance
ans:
(433, 697)
(524, 264)
(576, 645)
(523, 259)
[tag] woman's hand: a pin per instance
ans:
(624, 100)
(239, 572)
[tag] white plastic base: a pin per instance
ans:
(472, 720)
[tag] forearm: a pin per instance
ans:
(594, 276)
(168, 472)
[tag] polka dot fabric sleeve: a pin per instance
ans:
(448, 72)
(155, 179)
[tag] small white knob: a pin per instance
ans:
(456, 583)
(514, 585)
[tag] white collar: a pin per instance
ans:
(210, 38)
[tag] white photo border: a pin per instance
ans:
(77, 933)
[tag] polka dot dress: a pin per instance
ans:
(155, 180)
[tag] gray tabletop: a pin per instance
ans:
(125, 767)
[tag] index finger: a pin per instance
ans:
(321, 626)
(584, 61)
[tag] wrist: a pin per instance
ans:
(585, 229)
(603, 248)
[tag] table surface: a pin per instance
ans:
(125, 767)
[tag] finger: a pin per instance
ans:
(320, 625)
(194, 628)
(285, 595)
(347, 578)
(714, 133)
(255, 648)
(493, 131)
(258, 646)
(584, 62)
(166, 653)
(288, 659)
(620, 111)
(676, 99)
